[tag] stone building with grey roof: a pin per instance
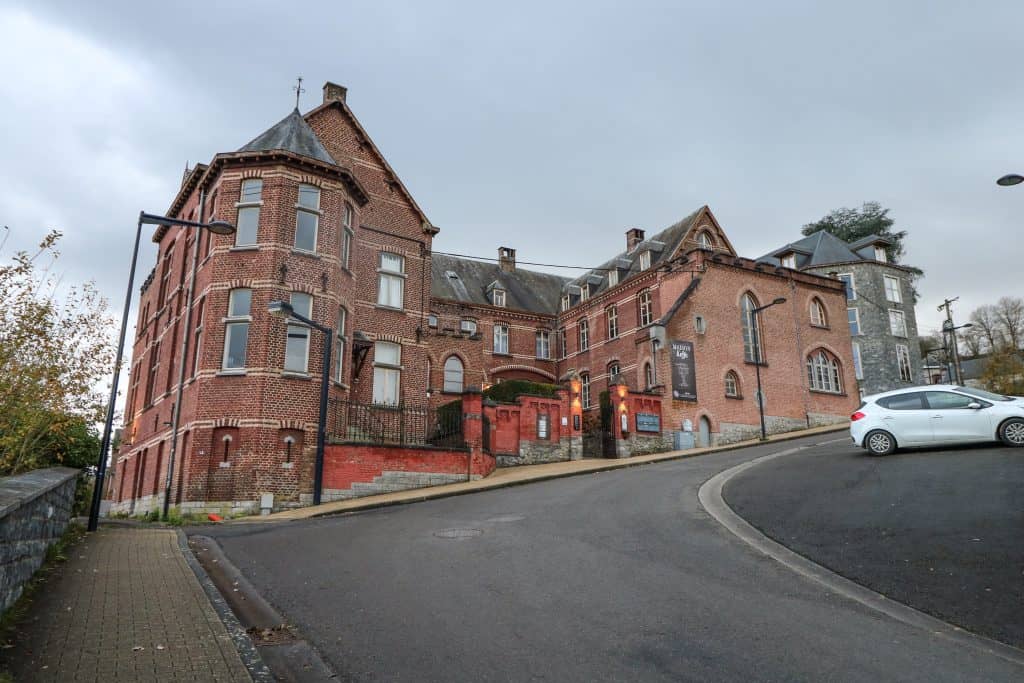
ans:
(879, 306)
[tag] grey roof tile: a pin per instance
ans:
(525, 290)
(291, 134)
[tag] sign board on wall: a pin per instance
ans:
(648, 422)
(684, 377)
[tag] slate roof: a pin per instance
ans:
(525, 290)
(292, 134)
(819, 249)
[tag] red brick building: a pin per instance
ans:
(325, 223)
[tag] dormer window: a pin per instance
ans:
(880, 254)
(789, 261)
(584, 292)
(565, 302)
(613, 277)
(645, 260)
(498, 297)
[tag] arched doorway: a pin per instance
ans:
(704, 433)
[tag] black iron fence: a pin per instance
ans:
(396, 424)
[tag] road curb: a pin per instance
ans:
(710, 496)
(250, 657)
(484, 485)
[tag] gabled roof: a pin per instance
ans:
(467, 281)
(291, 134)
(870, 240)
(818, 249)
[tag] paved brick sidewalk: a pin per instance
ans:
(120, 590)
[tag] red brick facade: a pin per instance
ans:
(251, 429)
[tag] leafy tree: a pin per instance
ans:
(1004, 372)
(54, 355)
(850, 225)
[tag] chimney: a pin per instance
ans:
(507, 259)
(334, 92)
(634, 236)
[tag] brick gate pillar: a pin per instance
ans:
(479, 464)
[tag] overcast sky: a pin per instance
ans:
(548, 127)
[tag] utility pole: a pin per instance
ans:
(949, 329)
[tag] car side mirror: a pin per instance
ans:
(974, 405)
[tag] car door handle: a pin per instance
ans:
(887, 417)
(936, 417)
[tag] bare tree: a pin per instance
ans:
(987, 324)
(1009, 312)
(971, 340)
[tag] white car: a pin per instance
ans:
(936, 414)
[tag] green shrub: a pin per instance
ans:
(509, 390)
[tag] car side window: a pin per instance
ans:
(912, 401)
(947, 400)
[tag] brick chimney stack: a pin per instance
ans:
(507, 259)
(634, 236)
(333, 91)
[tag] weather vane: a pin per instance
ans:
(298, 91)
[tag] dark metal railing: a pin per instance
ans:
(401, 425)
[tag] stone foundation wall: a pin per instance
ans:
(536, 453)
(35, 509)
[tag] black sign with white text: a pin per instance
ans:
(684, 377)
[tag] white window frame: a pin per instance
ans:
(893, 289)
(851, 294)
(894, 315)
(566, 302)
(449, 375)
(249, 205)
(613, 277)
(732, 384)
(856, 316)
(383, 370)
(823, 372)
(467, 325)
(390, 276)
(612, 315)
(858, 368)
(585, 390)
(563, 343)
(903, 363)
(818, 316)
(296, 331)
(584, 292)
(500, 343)
(880, 254)
(645, 260)
(346, 235)
(583, 334)
(339, 351)
(789, 261)
(499, 297)
(314, 212)
(543, 345)
(704, 240)
(613, 369)
(234, 323)
(646, 309)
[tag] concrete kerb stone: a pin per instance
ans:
(250, 657)
(710, 496)
(508, 478)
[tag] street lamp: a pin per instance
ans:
(950, 329)
(283, 309)
(1010, 179)
(757, 365)
(217, 228)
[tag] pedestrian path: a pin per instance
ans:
(125, 606)
(511, 476)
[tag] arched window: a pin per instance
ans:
(613, 371)
(752, 350)
(704, 241)
(453, 374)
(648, 375)
(732, 385)
(818, 317)
(644, 303)
(823, 372)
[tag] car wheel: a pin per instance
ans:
(879, 443)
(1012, 432)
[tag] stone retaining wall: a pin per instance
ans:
(35, 509)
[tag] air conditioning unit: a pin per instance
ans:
(700, 325)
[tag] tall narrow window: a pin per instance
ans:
(732, 385)
(644, 304)
(648, 375)
(543, 426)
(851, 289)
(249, 202)
(752, 349)
(154, 369)
(818, 318)
(897, 323)
(880, 254)
(613, 372)
(892, 289)
(858, 369)
(853, 315)
(387, 373)
(645, 260)
(165, 277)
(584, 333)
(307, 218)
(453, 374)
(584, 292)
(197, 336)
(501, 339)
(346, 236)
(585, 390)
(613, 277)
(339, 346)
(823, 372)
(903, 360)
(391, 280)
(543, 344)
(236, 328)
(296, 350)
(563, 350)
(612, 314)
(565, 302)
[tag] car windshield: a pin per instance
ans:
(981, 393)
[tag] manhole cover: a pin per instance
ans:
(458, 533)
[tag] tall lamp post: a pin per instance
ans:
(283, 309)
(757, 366)
(216, 227)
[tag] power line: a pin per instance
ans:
(524, 263)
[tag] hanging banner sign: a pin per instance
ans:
(684, 377)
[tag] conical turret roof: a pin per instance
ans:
(291, 134)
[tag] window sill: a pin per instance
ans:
(232, 372)
(763, 364)
(827, 393)
(291, 374)
(820, 327)
(303, 252)
(245, 247)
(506, 354)
(389, 308)
(340, 385)
(738, 397)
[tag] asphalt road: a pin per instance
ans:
(617, 576)
(941, 530)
